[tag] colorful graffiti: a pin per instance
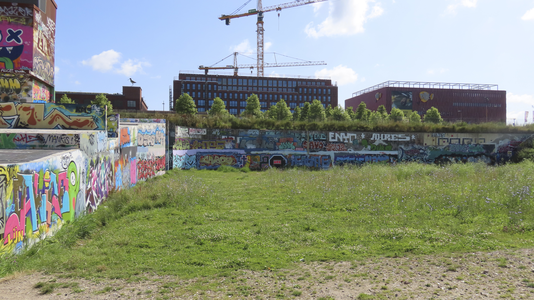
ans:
(51, 116)
(38, 141)
(44, 47)
(16, 41)
(14, 87)
(40, 92)
(321, 150)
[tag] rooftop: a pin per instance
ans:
(429, 85)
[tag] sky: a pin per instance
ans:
(101, 44)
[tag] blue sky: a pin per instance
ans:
(100, 44)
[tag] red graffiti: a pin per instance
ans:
(336, 147)
(148, 168)
(125, 136)
(314, 145)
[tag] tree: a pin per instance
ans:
(296, 114)
(253, 108)
(218, 108)
(305, 113)
(414, 118)
(280, 111)
(328, 111)
(316, 111)
(396, 115)
(362, 113)
(432, 116)
(376, 117)
(382, 110)
(350, 112)
(340, 114)
(185, 105)
(101, 101)
(66, 100)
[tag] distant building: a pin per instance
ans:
(234, 90)
(472, 103)
(27, 50)
(130, 99)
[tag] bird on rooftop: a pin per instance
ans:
(132, 81)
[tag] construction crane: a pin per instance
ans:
(237, 66)
(260, 10)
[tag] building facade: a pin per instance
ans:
(472, 103)
(27, 49)
(130, 99)
(234, 91)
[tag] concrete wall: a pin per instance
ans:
(37, 197)
(260, 149)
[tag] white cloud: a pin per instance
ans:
(104, 61)
(346, 17)
(77, 82)
(452, 9)
(529, 15)
(268, 45)
(243, 48)
(343, 75)
(130, 67)
(56, 70)
(523, 99)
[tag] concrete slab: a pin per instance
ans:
(45, 131)
(18, 156)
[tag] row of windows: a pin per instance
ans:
(320, 91)
(263, 104)
(267, 82)
(188, 78)
(476, 94)
(271, 97)
(477, 104)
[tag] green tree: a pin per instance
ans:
(382, 110)
(350, 112)
(339, 114)
(102, 101)
(396, 115)
(296, 114)
(362, 113)
(414, 118)
(253, 108)
(280, 111)
(376, 117)
(185, 105)
(316, 111)
(218, 108)
(305, 113)
(432, 116)
(66, 100)
(328, 111)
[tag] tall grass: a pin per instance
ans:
(201, 223)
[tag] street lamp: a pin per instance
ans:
(163, 105)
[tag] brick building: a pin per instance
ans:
(234, 90)
(130, 99)
(472, 103)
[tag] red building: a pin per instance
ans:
(130, 99)
(472, 103)
(234, 90)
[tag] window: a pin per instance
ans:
(240, 82)
(233, 111)
(271, 97)
(233, 103)
(210, 103)
(328, 98)
(209, 87)
(225, 95)
(261, 96)
(224, 81)
(300, 90)
(292, 104)
(194, 94)
(300, 97)
(188, 86)
(315, 91)
(201, 109)
(214, 87)
(230, 95)
(241, 111)
(225, 103)
(201, 102)
(243, 103)
(209, 95)
(329, 92)
(263, 104)
(131, 103)
(302, 105)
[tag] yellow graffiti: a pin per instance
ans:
(8, 174)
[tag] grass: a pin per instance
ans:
(196, 224)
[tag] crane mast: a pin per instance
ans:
(259, 24)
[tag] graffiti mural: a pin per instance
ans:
(44, 36)
(16, 41)
(321, 150)
(38, 141)
(51, 116)
(15, 87)
(40, 92)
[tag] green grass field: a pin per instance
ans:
(212, 223)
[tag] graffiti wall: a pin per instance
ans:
(62, 141)
(260, 149)
(51, 116)
(44, 36)
(16, 40)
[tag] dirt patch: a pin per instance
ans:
(481, 275)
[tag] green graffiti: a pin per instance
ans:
(74, 187)
(6, 141)
(7, 62)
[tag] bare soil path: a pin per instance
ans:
(483, 275)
